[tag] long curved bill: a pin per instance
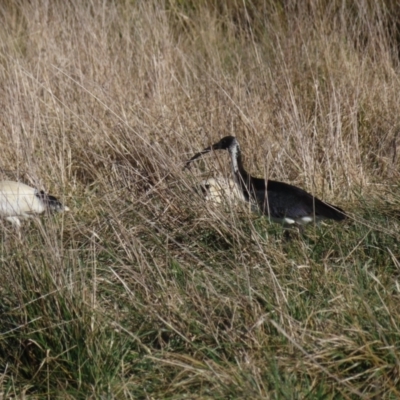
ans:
(197, 155)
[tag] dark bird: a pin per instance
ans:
(281, 202)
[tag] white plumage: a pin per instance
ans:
(218, 190)
(18, 200)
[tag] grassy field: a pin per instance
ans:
(145, 291)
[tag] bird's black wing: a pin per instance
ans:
(284, 200)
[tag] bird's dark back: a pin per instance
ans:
(282, 200)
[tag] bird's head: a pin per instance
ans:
(226, 143)
(51, 202)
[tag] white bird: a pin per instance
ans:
(18, 200)
(218, 190)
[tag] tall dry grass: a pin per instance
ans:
(143, 290)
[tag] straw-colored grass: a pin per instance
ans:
(143, 290)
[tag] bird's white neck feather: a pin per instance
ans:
(234, 150)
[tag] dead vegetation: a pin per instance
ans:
(144, 291)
